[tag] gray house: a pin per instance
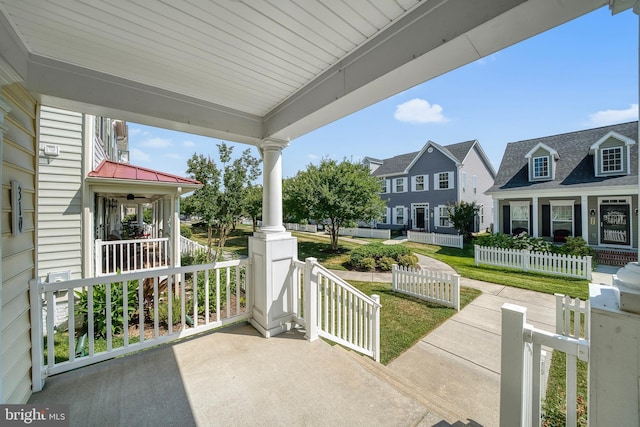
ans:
(581, 183)
(418, 186)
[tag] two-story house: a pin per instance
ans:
(418, 186)
(581, 183)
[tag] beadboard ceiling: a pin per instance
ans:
(246, 70)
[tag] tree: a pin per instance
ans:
(463, 215)
(334, 194)
(220, 202)
(253, 204)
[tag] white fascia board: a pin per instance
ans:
(612, 134)
(128, 186)
(545, 147)
(608, 191)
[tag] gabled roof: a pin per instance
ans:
(402, 163)
(575, 166)
(612, 134)
(545, 147)
(109, 170)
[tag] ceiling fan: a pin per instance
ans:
(132, 197)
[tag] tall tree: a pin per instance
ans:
(253, 204)
(220, 202)
(335, 194)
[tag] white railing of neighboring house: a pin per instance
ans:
(310, 228)
(331, 308)
(373, 233)
(221, 296)
(522, 369)
(441, 288)
(539, 262)
(189, 247)
(450, 240)
(129, 256)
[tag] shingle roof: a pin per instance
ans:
(575, 165)
(398, 164)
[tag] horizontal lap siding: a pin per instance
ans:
(60, 193)
(18, 252)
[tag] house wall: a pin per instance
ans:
(474, 164)
(18, 251)
(60, 193)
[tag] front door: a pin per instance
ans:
(615, 224)
(420, 218)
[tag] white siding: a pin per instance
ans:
(18, 252)
(60, 193)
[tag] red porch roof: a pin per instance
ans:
(113, 170)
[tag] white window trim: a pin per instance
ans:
(437, 217)
(464, 182)
(395, 215)
(513, 204)
(475, 184)
(533, 165)
(436, 181)
(394, 185)
(571, 203)
(602, 171)
(425, 179)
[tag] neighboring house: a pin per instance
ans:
(581, 183)
(418, 186)
(85, 185)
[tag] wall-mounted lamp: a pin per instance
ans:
(592, 212)
(636, 212)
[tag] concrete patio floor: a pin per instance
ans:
(234, 377)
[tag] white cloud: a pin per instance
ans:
(487, 59)
(173, 156)
(133, 131)
(188, 143)
(312, 156)
(608, 117)
(156, 143)
(419, 111)
(138, 156)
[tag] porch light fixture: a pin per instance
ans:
(592, 212)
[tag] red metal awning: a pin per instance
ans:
(112, 170)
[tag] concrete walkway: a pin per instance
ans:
(459, 362)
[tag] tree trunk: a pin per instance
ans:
(209, 241)
(255, 224)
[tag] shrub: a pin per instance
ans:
(385, 263)
(100, 307)
(176, 306)
(576, 246)
(408, 260)
(496, 240)
(367, 264)
(185, 231)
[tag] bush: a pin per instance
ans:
(367, 264)
(576, 246)
(408, 260)
(385, 263)
(176, 307)
(185, 231)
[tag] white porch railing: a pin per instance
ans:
(540, 262)
(441, 288)
(331, 308)
(373, 233)
(189, 247)
(147, 308)
(450, 240)
(131, 255)
(521, 368)
(310, 228)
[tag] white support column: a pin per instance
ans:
(272, 251)
(496, 216)
(175, 229)
(535, 217)
(139, 214)
(166, 217)
(584, 208)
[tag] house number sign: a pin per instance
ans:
(16, 208)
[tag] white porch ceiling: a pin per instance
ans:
(246, 70)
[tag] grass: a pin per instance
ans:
(318, 246)
(404, 320)
(555, 404)
(61, 345)
(462, 260)
(237, 242)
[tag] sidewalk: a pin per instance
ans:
(459, 361)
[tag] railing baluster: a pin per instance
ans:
(156, 326)
(206, 296)
(109, 317)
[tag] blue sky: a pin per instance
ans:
(577, 76)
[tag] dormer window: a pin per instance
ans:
(612, 160)
(541, 167)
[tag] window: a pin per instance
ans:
(612, 159)
(399, 214)
(562, 216)
(519, 217)
(419, 183)
(541, 167)
(481, 214)
(383, 185)
(400, 185)
(443, 217)
(443, 181)
(385, 216)
(475, 184)
(464, 181)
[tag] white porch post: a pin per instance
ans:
(272, 251)
(139, 212)
(584, 207)
(496, 215)
(534, 218)
(175, 230)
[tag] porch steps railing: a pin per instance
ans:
(130, 255)
(539, 262)
(449, 240)
(190, 247)
(521, 379)
(331, 308)
(193, 299)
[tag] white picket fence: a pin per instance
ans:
(522, 367)
(449, 240)
(190, 247)
(130, 255)
(438, 287)
(539, 262)
(309, 228)
(331, 308)
(373, 233)
(226, 298)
